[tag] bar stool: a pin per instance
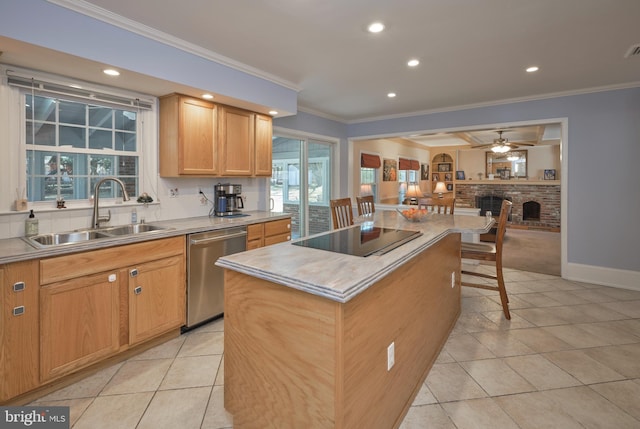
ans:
(341, 212)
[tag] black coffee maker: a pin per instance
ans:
(228, 199)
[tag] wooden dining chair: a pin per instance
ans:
(438, 205)
(365, 205)
(490, 252)
(341, 212)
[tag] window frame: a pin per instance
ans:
(84, 177)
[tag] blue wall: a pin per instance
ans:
(603, 164)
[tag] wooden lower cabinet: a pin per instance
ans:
(86, 317)
(19, 325)
(268, 233)
(79, 323)
(156, 304)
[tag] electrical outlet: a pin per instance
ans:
(453, 279)
(391, 358)
(173, 192)
(203, 201)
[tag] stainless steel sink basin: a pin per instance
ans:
(66, 237)
(79, 236)
(135, 228)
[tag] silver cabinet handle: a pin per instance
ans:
(17, 311)
(18, 287)
(138, 290)
(133, 272)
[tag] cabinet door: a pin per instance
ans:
(255, 236)
(79, 323)
(263, 147)
(156, 298)
(19, 316)
(198, 140)
(237, 141)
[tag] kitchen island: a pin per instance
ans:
(321, 339)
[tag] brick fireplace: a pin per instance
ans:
(534, 205)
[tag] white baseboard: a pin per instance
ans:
(624, 279)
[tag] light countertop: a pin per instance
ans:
(17, 249)
(338, 276)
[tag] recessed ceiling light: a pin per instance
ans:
(111, 72)
(413, 63)
(273, 112)
(207, 96)
(532, 69)
(375, 27)
(391, 94)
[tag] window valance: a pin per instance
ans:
(369, 161)
(408, 164)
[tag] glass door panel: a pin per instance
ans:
(301, 184)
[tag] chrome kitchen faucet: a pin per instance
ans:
(96, 218)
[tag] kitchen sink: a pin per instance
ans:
(80, 236)
(135, 228)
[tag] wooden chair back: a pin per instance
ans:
(341, 212)
(492, 253)
(438, 205)
(365, 205)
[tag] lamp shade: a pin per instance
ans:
(414, 191)
(366, 189)
(440, 188)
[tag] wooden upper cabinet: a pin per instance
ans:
(188, 137)
(263, 145)
(199, 138)
(237, 141)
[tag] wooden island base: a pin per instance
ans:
(297, 360)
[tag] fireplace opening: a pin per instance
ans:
(531, 211)
(490, 203)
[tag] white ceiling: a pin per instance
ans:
(471, 52)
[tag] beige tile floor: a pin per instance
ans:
(569, 358)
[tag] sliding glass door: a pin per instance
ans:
(301, 183)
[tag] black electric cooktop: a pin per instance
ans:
(361, 240)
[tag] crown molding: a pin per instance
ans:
(93, 11)
(500, 102)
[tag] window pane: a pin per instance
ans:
(128, 166)
(100, 117)
(45, 134)
(125, 141)
(102, 165)
(72, 136)
(125, 120)
(100, 139)
(44, 108)
(131, 185)
(72, 113)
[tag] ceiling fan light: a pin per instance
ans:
(500, 149)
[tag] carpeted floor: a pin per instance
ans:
(530, 250)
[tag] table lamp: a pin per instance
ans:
(440, 188)
(413, 193)
(366, 189)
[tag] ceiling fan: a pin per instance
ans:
(501, 145)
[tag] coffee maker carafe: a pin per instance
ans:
(228, 199)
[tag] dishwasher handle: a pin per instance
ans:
(221, 237)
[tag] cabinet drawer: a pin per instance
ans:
(277, 227)
(277, 239)
(86, 263)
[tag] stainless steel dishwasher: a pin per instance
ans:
(205, 281)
